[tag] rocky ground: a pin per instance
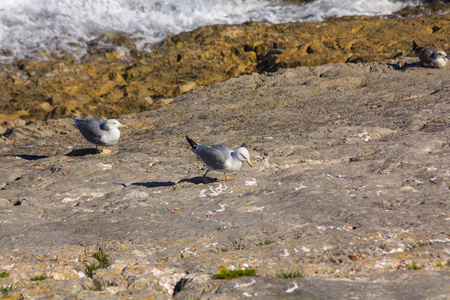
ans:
(350, 187)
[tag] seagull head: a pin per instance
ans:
(243, 155)
(113, 124)
(441, 54)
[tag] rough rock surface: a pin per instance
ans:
(350, 186)
(116, 80)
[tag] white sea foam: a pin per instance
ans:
(29, 27)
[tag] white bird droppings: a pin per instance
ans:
(220, 189)
(238, 285)
(105, 166)
(290, 290)
(251, 182)
(299, 188)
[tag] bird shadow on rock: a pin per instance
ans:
(29, 157)
(154, 184)
(197, 180)
(398, 67)
(82, 152)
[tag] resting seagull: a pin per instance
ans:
(430, 57)
(220, 158)
(99, 132)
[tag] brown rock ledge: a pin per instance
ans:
(350, 186)
(104, 84)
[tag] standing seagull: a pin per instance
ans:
(430, 57)
(220, 158)
(99, 132)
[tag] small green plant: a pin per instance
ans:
(266, 242)
(439, 265)
(103, 263)
(422, 243)
(102, 257)
(4, 274)
(6, 288)
(90, 268)
(291, 274)
(225, 273)
(96, 286)
(355, 159)
(415, 267)
(40, 277)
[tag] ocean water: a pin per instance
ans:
(29, 28)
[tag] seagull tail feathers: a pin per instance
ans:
(415, 46)
(191, 142)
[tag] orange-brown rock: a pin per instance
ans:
(105, 84)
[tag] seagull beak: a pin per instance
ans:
(123, 126)
(250, 164)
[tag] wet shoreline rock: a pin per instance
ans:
(107, 83)
(350, 186)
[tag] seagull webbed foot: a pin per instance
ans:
(229, 178)
(105, 151)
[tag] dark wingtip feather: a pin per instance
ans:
(414, 45)
(191, 142)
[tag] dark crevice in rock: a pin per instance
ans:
(179, 286)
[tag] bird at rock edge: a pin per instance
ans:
(430, 57)
(220, 158)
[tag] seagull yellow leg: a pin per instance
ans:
(205, 180)
(105, 151)
(228, 178)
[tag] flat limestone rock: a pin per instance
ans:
(350, 187)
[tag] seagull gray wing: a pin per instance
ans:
(425, 55)
(214, 156)
(90, 129)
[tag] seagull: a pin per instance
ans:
(430, 57)
(220, 158)
(99, 132)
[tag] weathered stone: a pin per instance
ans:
(350, 186)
